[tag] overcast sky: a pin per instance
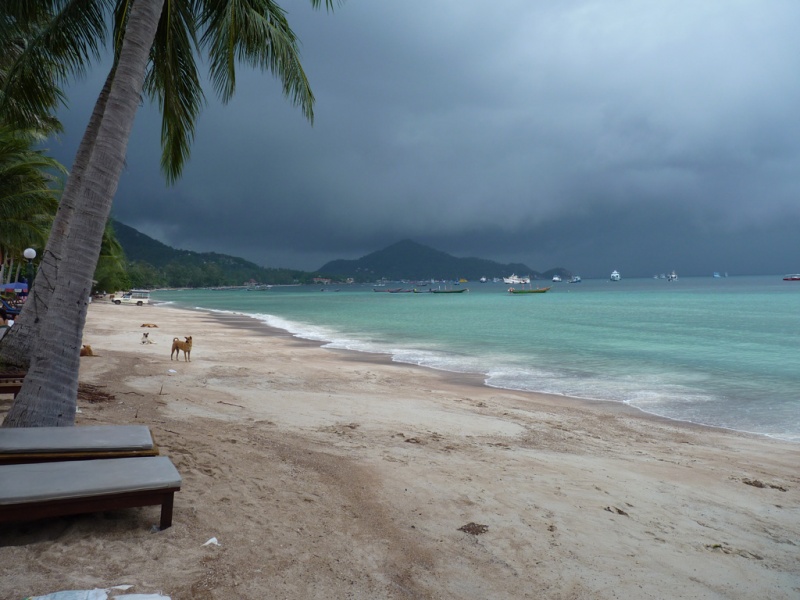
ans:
(636, 135)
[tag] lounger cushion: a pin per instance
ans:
(93, 438)
(39, 482)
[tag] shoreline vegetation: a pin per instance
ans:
(331, 474)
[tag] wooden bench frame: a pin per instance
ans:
(36, 491)
(31, 511)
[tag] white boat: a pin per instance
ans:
(615, 276)
(482, 280)
(575, 279)
(518, 280)
(556, 278)
(672, 276)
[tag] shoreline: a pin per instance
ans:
(334, 473)
(473, 379)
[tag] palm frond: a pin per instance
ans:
(257, 33)
(174, 82)
(55, 40)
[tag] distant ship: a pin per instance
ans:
(615, 276)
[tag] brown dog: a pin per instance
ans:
(149, 325)
(86, 350)
(178, 345)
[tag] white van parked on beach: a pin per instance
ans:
(137, 297)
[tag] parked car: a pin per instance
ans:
(137, 297)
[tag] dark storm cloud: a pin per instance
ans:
(589, 135)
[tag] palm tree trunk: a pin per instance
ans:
(49, 392)
(17, 345)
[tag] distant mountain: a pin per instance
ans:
(154, 264)
(164, 265)
(140, 247)
(412, 261)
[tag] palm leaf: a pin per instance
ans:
(257, 33)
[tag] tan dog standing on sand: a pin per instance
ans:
(86, 350)
(178, 345)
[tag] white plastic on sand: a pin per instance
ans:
(98, 594)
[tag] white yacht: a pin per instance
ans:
(518, 280)
(615, 276)
(556, 278)
(672, 276)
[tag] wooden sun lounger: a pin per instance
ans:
(41, 444)
(54, 489)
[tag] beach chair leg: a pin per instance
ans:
(166, 511)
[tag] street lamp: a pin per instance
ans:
(30, 254)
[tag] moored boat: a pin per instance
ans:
(615, 276)
(792, 277)
(514, 280)
(575, 279)
(528, 291)
(449, 291)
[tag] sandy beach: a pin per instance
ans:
(330, 474)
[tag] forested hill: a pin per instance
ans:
(153, 264)
(412, 261)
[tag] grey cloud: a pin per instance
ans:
(578, 134)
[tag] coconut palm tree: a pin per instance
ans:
(29, 186)
(17, 346)
(42, 42)
(255, 31)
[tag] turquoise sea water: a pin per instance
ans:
(720, 352)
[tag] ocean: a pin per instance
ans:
(713, 351)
